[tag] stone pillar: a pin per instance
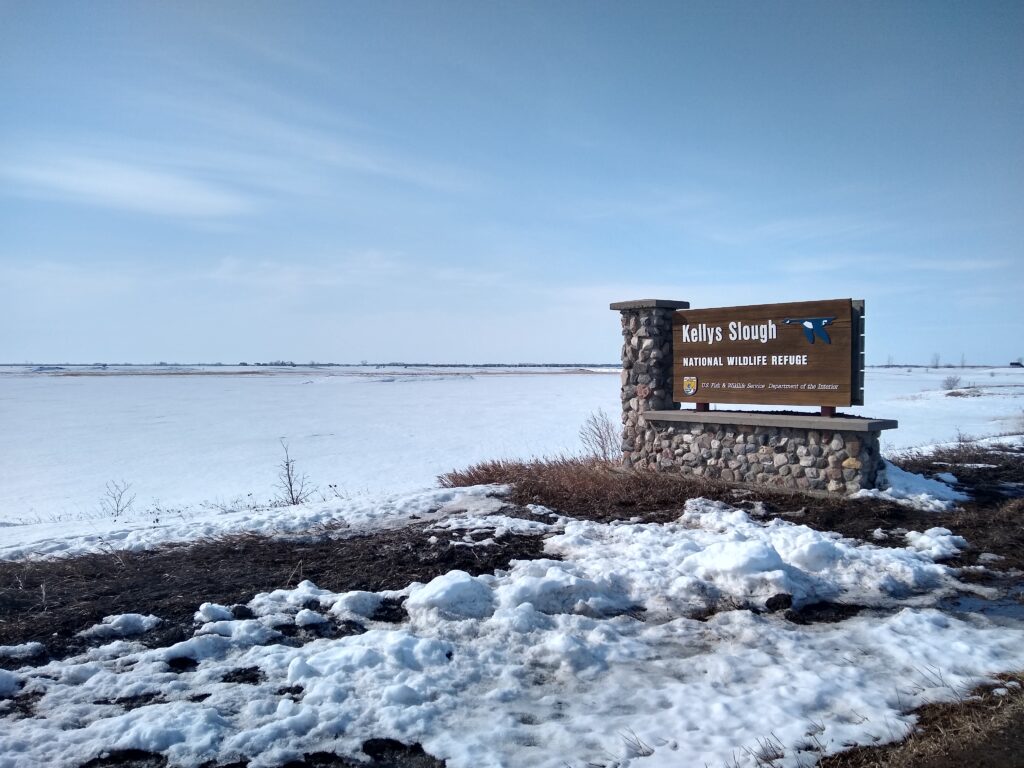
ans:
(646, 372)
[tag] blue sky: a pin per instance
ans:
(472, 182)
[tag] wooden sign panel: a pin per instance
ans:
(800, 353)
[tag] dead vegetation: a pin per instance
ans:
(51, 600)
(982, 730)
(992, 521)
(601, 438)
(592, 489)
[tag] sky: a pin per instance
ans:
(476, 181)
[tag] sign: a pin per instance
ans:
(801, 353)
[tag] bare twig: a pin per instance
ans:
(117, 499)
(293, 487)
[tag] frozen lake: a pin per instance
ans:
(183, 438)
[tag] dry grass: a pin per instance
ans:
(979, 730)
(973, 464)
(594, 489)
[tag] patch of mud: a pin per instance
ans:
(822, 613)
(50, 601)
(391, 610)
(244, 676)
(21, 706)
(133, 702)
(293, 692)
(127, 758)
(181, 664)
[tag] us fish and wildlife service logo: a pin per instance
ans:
(689, 385)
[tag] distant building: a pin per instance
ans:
(1017, 364)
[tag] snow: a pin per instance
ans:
(454, 595)
(205, 443)
(937, 543)
(715, 552)
(195, 445)
(354, 514)
(213, 612)
(9, 684)
(122, 625)
(598, 653)
(895, 484)
(591, 658)
(23, 651)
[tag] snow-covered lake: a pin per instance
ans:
(213, 436)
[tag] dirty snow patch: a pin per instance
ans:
(122, 625)
(937, 543)
(913, 490)
(23, 651)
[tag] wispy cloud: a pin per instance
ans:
(124, 186)
(472, 278)
(956, 265)
(800, 228)
(320, 147)
(367, 269)
(234, 109)
(667, 205)
(737, 228)
(707, 212)
(827, 262)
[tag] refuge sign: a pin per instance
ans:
(798, 353)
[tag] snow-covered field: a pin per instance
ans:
(590, 659)
(587, 658)
(185, 441)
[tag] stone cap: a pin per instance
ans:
(649, 304)
(755, 419)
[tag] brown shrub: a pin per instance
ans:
(601, 437)
(595, 490)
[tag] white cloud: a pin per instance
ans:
(368, 268)
(955, 265)
(278, 125)
(125, 186)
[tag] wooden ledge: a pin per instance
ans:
(791, 421)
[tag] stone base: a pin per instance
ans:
(840, 456)
(803, 452)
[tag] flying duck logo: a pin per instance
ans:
(689, 385)
(812, 326)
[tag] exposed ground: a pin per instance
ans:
(49, 601)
